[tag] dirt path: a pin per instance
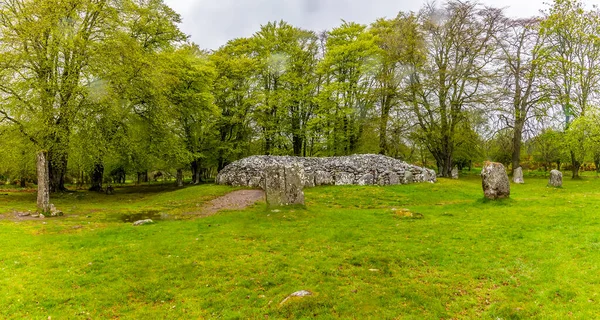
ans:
(236, 200)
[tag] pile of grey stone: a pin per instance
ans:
(367, 169)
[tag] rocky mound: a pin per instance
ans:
(367, 169)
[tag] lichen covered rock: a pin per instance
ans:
(495, 181)
(556, 178)
(284, 184)
(518, 176)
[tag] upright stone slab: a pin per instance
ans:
(518, 176)
(43, 174)
(495, 181)
(284, 184)
(556, 178)
(455, 173)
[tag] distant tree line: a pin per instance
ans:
(107, 89)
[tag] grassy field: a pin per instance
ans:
(536, 255)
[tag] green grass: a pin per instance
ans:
(536, 255)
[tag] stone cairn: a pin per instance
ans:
(368, 169)
(556, 178)
(495, 181)
(284, 184)
(518, 176)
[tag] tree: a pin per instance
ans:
(572, 51)
(348, 69)
(401, 44)
(520, 44)
(52, 52)
(453, 81)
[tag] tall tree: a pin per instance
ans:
(402, 44)
(572, 50)
(51, 51)
(455, 78)
(521, 55)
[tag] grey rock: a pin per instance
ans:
(455, 173)
(367, 179)
(309, 179)
(495, 181)
(556, 179)
(388, 178)
(409, 178)
(518, 176)
(356, 169)
(344, 178)
(298, 294)
(284, 184)
(143, 222)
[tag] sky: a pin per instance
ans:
(211, 23)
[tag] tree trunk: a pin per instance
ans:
(196, 171)
(180, 177)
(383, 124)
(517, 140)
(57, 168)
(576, 166)
(97, 177)
(43, 186)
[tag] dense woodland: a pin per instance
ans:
(112, 90)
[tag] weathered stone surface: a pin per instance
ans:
(367, 179)
(408, 178)
(455, 173)
(344, 179)
(43, 175)
(143, 222)
(556, 178)
(362, 169)
(495, 181)
(518, 176)
(284, 184)
(297, 294)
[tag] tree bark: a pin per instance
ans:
(43, 176)
(57, 168)
(517, 141)
(97, 177)
(180, 177)
(195, 172)
(576, 166)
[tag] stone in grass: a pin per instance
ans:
(297, 294)
(55, 212)
(284, 184)
(494, 181)
(556, 178)
(518, 176)
(142, 222)
(455, 173)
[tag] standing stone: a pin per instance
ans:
(518, 176)
(495, 181)
(455, 173)
(43, 174)
(555, 179)
(284, 184)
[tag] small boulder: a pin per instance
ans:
(556, 178)
(495, 181)
(518, 176)
(297, 294)
(455, 173)
(142, 222)
(284, 184)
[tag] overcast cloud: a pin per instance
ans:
(211, 23)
